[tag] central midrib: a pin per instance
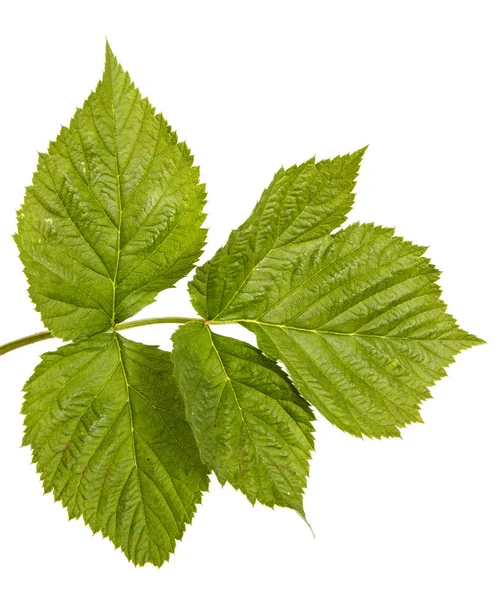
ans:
(329, 332)
(119, 196)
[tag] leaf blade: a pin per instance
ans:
(362, 329)
(252, 427)
(302, 203)
(114, 213)
(113, 445)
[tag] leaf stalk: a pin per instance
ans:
(45, 335)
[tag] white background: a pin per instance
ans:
(252, 86)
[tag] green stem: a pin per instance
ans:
(25, 341)
(45, 335)
(156, 321)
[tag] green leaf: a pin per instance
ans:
(114, 213)
(113, 217)
(356, 318)
(109, 435)
(302, 204)
(362, 330)
(252, 427)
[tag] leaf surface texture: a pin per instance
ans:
(114, 213)
(355, 317)
(124, 434)
(108, 432)
(252, 427)
(302, 204)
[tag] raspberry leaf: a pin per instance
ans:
(252, 427)
(355, 317)
(108, 432)
(124, 434)
(114, 213)
(302, 204)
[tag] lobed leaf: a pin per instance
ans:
(252, 427)
(114, 213)
(108, 432)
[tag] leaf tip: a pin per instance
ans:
(358, 155)
(110, 58)
(109, 52)
(474, 341)
(302, 515)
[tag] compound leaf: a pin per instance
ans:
(113, 217)
(114, 213)
(108, 432)
(252, 427)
